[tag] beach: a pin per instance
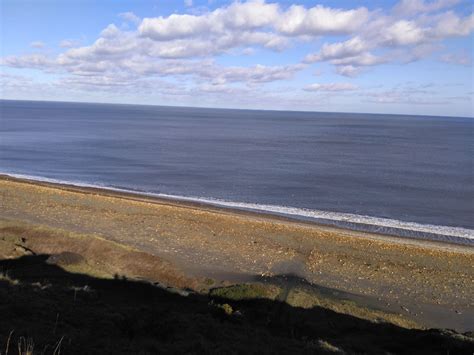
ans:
(191, 245)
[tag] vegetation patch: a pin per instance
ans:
(245, 292)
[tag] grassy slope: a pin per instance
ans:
(75, 300)
(46, 304)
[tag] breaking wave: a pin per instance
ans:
(380, 225)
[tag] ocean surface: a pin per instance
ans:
(402, 175)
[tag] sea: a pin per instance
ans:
(408, 176)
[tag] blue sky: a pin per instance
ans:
(408, 56)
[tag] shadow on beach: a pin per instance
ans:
(45, 307)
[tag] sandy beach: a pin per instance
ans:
(428, 284)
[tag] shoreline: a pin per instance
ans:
(428, 282)
(452, 243)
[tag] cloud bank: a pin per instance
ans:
(181, 51)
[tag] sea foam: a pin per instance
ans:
(372, 224)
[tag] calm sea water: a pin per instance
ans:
(405, 175)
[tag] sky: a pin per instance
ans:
(407, 57)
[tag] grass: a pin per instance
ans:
(74, 304)
(89, 254)
(245, 291)
(227, 308)
(96, 316)
(329, 347)
(5, 277)
(25, 346)
(302, 296)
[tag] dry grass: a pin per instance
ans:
(25, 346)
(307, 298)
(101, 258)
(300, 297)
(6, 278)
(329, 347)
(7, 346)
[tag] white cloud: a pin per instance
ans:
(68, 43)
(39, 61)
(19, 86)
(110, 31)
(14, 80)
(130, 17)
(414, 7)
(258, 73)
(457, 58)
(211, 72)
(414, 53)
(173, 27)
(396, 97)
(237, 16)
(112, 43)
(403, 33)
(401, 40)
(252, 15)
(109, 60)
(406, 93)
(320, 20)
(331, 87)
(183, 46)
(349, 48)
(348, 70)
(244, 24)
(37, 44)
(348, 56)
(361, 60)
(248, 51)
(449, 25)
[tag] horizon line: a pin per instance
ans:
(235, 108)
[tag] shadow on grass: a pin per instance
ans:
(88, 315)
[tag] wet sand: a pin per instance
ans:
(430, 283)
